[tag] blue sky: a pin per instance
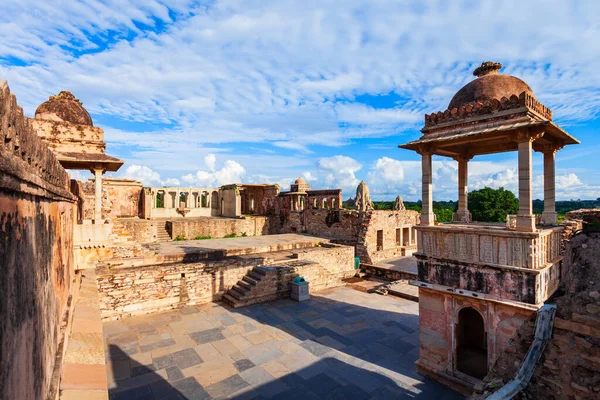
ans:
(204, 93)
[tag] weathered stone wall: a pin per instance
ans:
(387, 222)
(36, 257)
(140, 290)
(570, 365)
(438, 317)
(121, 198)
(588, 216)
(142, 230)
(220, 227)
(65, 137)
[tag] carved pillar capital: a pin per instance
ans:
(526, 135)
(424, 149)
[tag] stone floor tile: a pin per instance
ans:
(139, 381)
(163, 390)
(207, 352)
(146, 340)
(174, 374)
(207, 336)
(186, 358)
(163, 362)
(276, 369)
(142, 369)
(157, 345)
(139, 393)
(315, 348)
(288, 347)
(322, 384)
(140, 359)
(348, 392)
(212, 371)
(191, 389)
(330, 342)
(189, 310)
(243, 365)
(118, 370)
(263, 353)
(225, 347)
(227, 387)
(258, 337)
(239, 342)
(397, 344)
(256, 376)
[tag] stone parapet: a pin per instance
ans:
(491, 245)
(27, 165)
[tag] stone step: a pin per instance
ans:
(230, 300)
(235, 294)
(240, 289)
(245, 285)
(259, 271)
(255, 275)
(250, 280)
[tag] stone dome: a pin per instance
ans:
(64, 107)
(489, 85)
(300, 181)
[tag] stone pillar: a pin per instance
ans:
(427, 217)
(525, 219)
(462, 214)
(549, 214)
(98, 196)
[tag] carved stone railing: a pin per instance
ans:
(488, 107)
(492, 245)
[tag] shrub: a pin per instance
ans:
(179, 238)
(231, 235)
(203, 237)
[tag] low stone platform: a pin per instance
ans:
(196, 250)
(341, 344)
(394, 269)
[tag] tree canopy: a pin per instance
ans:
(492, 205)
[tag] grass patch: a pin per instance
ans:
(231, 235)
(179, 238)
(203, 237)
(244, 234)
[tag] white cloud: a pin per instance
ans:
(143, 174)
(210, 161)
(308, 176)
(340, 172)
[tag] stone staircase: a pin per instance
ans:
(162, 234)
(257, 286)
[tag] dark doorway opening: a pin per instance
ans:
(471, 339)
(380, 240)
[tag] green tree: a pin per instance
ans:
(492, 205)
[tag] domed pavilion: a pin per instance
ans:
(478, 282)
(66, 126)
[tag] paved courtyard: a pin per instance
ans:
(342, 344)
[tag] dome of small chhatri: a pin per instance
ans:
(300, 181)
(64, 107)
(488, 86)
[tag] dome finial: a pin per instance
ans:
(487, 68)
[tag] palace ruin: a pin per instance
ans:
(87, 265)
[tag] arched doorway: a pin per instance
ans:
(471, 343)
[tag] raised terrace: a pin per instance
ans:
(240, 271)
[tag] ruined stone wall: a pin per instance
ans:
(36, 257)
(387, 222)
(221, 227)
(570, 365)
(140, 290)
(142, 230)
(121, 198)
(438, 315)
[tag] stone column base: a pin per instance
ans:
(549, 218)
(525, 223)
(427, 219)
(462, 216)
